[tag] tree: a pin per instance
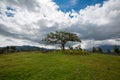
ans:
(13, 48)
(70, 48)
(7, 49)
(94, 50)
(61, 37)
(108, 51)
(100, 50)
(78, 47)
(116, 50)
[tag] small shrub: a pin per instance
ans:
(76, 52)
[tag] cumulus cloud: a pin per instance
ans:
(33, 19)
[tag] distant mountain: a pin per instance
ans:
(27, 48)
(105, 47)
(30, 48)
(9, 49)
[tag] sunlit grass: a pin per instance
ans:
(58, 66)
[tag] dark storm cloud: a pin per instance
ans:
(5, 31)
(110, 31)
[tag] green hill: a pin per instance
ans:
(58, 66)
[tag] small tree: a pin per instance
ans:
(70, 48)
(78, 47)
(116, 50)
(7, 49)
(100, 50)
(61, 37)
(94, 50)
(108, 51)
(13, 48)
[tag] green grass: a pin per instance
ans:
(58, 66)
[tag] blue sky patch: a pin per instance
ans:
(68, 5)
(9, 14)
(10, 8)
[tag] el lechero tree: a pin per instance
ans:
(61, 37)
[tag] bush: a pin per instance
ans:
(76, 52)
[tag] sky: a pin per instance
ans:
(68, 5)
(27, 22)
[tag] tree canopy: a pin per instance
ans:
(61, 37)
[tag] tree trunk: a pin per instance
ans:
(63, 47)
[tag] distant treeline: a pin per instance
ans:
(115, 50)
(11, 49)
(7, 49)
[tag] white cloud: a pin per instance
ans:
(35, 18)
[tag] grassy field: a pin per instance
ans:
(58, 66)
